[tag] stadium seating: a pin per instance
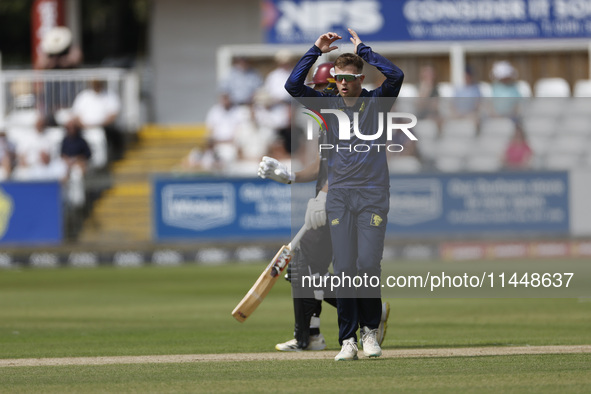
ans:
(445, 89)
(449, 164)
(459, 128)
(485, 89)
(483, 163)
(404, 164)
(575, 125)
(561, 161)
(551, 87)
(524, 88)
(408, 90)
(582, 88)
(545, 106)
(542, 126)
(501, 128)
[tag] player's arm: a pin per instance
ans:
(394, 75)
(295, 84)
(308, 173)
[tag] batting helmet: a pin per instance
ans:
(323, 74)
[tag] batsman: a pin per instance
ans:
(314, 255)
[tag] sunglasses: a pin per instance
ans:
(346, 77)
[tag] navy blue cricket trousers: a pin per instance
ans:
(357, 220)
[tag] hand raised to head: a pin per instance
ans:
(325, 41)
(354, 38)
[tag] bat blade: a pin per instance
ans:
(263, 285)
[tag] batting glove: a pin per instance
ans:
(275, 170)
(316, 211)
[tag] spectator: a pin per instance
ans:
(222, 122)
(518, 153)
(427, 103)
(466, 102)
(75, 151)
(7, 156)
(58, 52)
(276, 79)
(242, 82)
(97, 107)
(202, 159)
(506, 96)
(256, 129)
(75, 154)
(35, 161)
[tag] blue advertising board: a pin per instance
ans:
(223, 209)
(420, 206)
(528, 202)
(30, 212)
(302, 21)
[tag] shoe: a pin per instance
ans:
(371, 347)
(289, 346)
(383, 323)
(348, 351)
(316, 343)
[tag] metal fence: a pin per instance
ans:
(51, 90)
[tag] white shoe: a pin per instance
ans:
(348, 351)
(383, 323)
(289, 346)
(316, 343)
(371, 347)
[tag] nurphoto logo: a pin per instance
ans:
(348, 129)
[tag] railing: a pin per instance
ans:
(52, 90)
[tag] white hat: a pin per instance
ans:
(56, 40)
(502, 70)
(284, 56)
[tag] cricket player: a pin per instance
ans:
(357, 201)
(315, 251)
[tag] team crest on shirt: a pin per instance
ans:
(334, 222)
(376, 220)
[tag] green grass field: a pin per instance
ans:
(186, 310)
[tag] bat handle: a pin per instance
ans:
(296, 240)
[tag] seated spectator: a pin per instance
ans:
(466, 102)
(257, 127)
(202, 160)
(98, 108)
(518, 153)
(222, 121)
(275, 80)
(7, 156)
(427, 104)
(75, 151)
(242, 82)
(35, 161)
(506, 98)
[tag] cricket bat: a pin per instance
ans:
(265, 282)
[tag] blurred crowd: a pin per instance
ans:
(251, 119)
(504, 124)
(66, 140)
(484, 125)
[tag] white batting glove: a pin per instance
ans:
(316, 211)
(275, 170)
